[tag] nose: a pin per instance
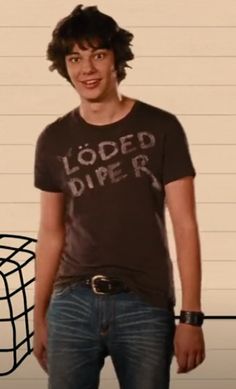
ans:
(87, 66)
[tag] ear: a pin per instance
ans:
(114, 72)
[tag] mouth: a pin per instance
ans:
(90, 84)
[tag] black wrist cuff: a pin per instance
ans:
(192, 317)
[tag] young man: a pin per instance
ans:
(104, 282)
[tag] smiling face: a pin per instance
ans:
(92, 73)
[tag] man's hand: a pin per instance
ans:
(40, 344)
(189, 347)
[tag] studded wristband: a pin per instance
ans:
(192, 317)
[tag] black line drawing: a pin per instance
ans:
(17, 255)
(13, 264)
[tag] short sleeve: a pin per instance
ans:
(177, 159)
(46, 174)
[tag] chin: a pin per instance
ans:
(93, 98)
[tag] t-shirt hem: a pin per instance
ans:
(178, 177)
(47, 189)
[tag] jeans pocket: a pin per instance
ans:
(60, 290)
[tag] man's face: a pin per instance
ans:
(92, 72)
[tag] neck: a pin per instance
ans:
(105, 112)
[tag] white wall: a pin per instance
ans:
(185, 63)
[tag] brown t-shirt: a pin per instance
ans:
(113, 178)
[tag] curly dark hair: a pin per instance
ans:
(98, 30)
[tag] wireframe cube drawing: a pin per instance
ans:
(17, 260)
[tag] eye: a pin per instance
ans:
(74, 59)
(100, 55)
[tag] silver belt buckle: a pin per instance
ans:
(93, 279)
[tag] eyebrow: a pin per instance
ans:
(92, 49)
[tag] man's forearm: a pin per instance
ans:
(189, 263)
(49, 247)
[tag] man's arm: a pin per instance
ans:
(180, 199)
(49, 247)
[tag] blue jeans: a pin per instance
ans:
(83, 328)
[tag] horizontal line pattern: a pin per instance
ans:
(58, 114)
(186, 44)
(203, 231)
(228, 316)
(127, 27)
(192, 144)
(136, 56)
(129, 85)
(197, 202)
(111, 379)
(199, 173)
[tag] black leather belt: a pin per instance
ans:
(101, 284)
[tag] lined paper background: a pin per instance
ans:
(185, 62)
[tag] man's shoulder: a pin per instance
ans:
(159, 118)
(58, 127)
(156, 111)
